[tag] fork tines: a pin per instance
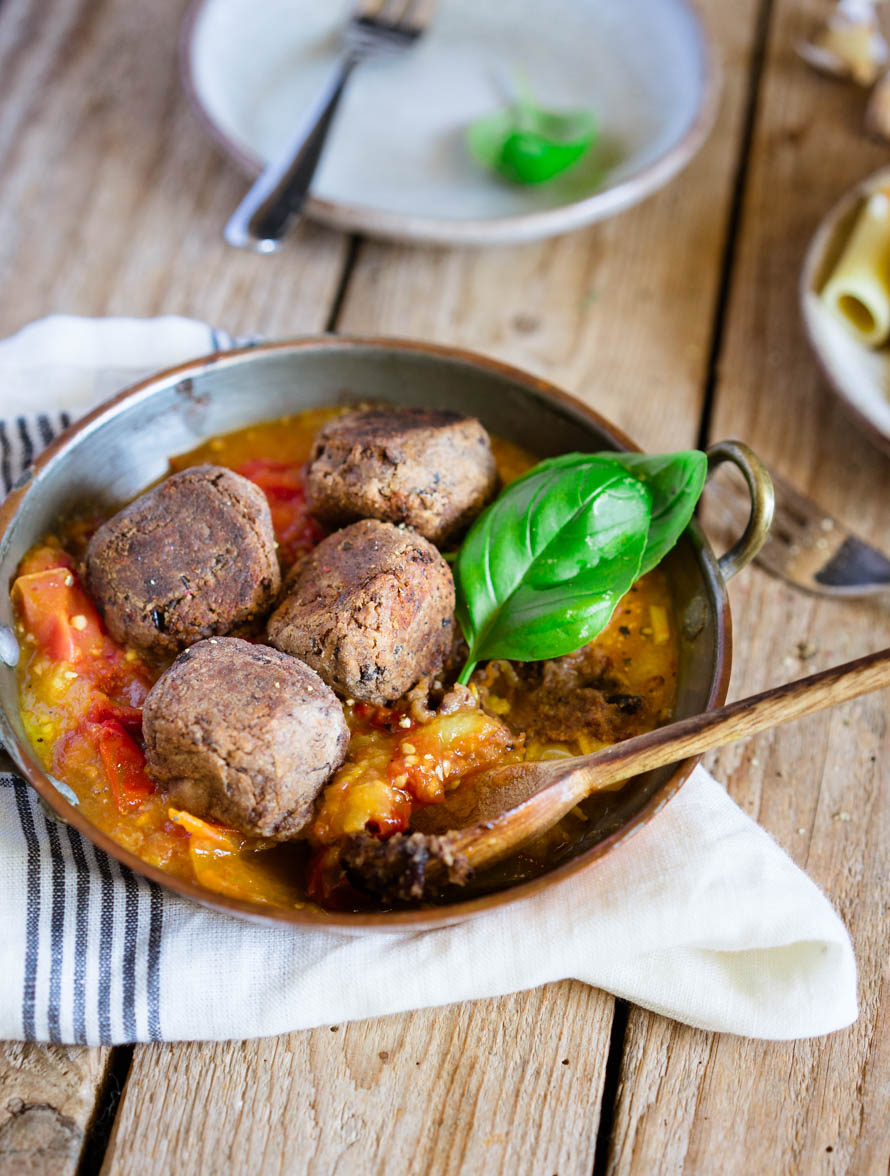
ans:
(399, 16)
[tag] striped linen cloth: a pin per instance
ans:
(92, 928)
(700, 916)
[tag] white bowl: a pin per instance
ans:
(860, 375)
(396, 164)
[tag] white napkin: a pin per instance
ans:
(699, 916)
(69, 364)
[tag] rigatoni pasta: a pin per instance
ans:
(858, 291)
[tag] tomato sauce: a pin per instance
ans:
(81, 695)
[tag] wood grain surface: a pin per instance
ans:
(480, 1087)
(111, 201)
(48, 1101)
(112, 198)
(689, 1101)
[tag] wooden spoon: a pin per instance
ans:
(498, 810)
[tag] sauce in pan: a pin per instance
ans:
(81, 696)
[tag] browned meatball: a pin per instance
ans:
(371, 608)
(192, 558)
(245, 735)
(432, 470)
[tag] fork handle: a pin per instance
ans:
(277, 196)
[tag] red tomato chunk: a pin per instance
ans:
(124, 766)
(285, 488)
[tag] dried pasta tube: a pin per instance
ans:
(858, 290)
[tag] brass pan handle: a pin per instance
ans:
(763, 501)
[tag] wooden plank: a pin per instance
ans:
(111, 202)
(113, 199)
(484, 1095)
(48, 1097)
(819, 787)
(461, 1089)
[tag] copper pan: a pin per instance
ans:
(113, 453)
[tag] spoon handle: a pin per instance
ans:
(576, 779)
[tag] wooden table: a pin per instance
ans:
(679, 321)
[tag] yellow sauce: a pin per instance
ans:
(81, 694)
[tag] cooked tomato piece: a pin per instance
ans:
(280, 480)
(362, 798)
(44, 558)
(103, 709)
(124, 766)
(65, 630)
(57, 613)
(284, 485)
(229, 862)
(223, 837)
(383, 718)
(74, 754)
(438, 753)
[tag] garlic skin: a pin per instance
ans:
(849, 45)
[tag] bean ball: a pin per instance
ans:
(432, 470)
(192, 558)
(371, 608)
(245, 735)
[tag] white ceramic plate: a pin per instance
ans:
(395, 164)
(859, 375)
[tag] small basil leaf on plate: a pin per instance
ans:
(675, 481)
(542, 568)
(528, 145)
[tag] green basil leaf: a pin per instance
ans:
(675, 481)
(541, 570)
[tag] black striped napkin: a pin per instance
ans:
(90, 956)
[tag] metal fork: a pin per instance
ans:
(806, 546)
(377, 28)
